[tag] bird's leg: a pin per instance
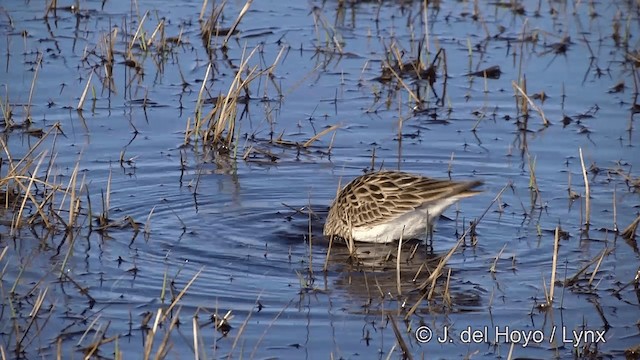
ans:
(430, 237)
(429, 234)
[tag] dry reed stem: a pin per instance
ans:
(90, 327)
(33, 86)
(5, 107)
(180, 295)
(147, 224)
(244, 10)
(84, 93)
(531, 103)
(198, 112)
(404, 85)
(533, 181)
(425, 20)
(151, 335)
(446, 295)
(630, 231)
(326, 259)
(72, 200)
(523, 90)
(16, 223)
(26, 157)
(615, 210)
(574, 278)
(492, 269)
(510, 354)
(223, 115)
(136, 35)
(39, 207)
(320, 134)
(243, 326)
(196, 338)
(399, 255)
(329, 30)
(595, 270)
(310, 238)
(203, 9)
(159, 28)
(53, 5)
(400, 341)
(587, 191)
(554, 263)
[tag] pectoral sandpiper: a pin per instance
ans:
(381, 207)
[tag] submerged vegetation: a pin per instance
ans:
(97, 262)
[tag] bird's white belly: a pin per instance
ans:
(412, 225)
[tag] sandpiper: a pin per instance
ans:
(383, 206)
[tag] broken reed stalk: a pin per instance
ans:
(554, 263)
(310, 238)
(615, 211)
(106, 203)
(244, 10)
(33, 85)
(531, 103)
(587, 195)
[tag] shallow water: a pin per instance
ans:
(232, 223)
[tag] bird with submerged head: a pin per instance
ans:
(384, 206)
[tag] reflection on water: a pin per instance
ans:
(376, 274)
